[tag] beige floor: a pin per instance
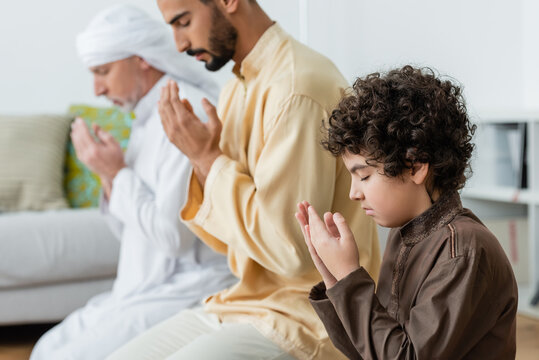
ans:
(16, 343)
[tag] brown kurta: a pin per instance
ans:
(446, 291)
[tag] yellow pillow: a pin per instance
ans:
(81, 185)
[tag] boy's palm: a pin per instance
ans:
(334, 243)
(302, 217)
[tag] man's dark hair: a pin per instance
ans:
(406, 116)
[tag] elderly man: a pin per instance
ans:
(163, 268)
(254, 160)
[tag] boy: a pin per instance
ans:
(446, 289)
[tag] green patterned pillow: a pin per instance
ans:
(82, 187)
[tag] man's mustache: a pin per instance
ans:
(194, 52)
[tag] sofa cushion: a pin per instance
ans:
(32, 152)
(81, 185)
(38, 248)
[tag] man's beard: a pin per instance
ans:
(128, 107)
(222, 42)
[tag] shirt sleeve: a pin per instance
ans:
(336, 331)
(252, 210)
(438, 327)
(154, 212)
(115, 226)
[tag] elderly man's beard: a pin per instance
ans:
(128, 107)
(222, 42)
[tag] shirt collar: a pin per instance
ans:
(437, 216)
(148, 103)
(262, 53)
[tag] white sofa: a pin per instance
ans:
(52, 262)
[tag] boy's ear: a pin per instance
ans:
(419, 173)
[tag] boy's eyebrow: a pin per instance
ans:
(358, 167)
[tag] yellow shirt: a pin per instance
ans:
(272, 115)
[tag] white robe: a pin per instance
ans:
(163, 268)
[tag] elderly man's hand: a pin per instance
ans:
(103, 156)
(197, 140)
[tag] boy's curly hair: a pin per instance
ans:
(404, 117)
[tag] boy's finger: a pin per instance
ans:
(330, 225)
(342, 226)
(308, 241)
(303, 209)
(316, 224)
(301, 219)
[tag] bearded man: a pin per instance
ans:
(256, 158)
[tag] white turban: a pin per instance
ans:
(123, 31)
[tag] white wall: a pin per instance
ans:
(39, 67)
(488, 45)
(481, 43)
(530, 52)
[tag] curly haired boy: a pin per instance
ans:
(446, 289)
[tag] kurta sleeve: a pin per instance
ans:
(326, 312)
(252, 210)
(115, 226)
(451, 297)
(155, 212)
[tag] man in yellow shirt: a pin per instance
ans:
(257, 156)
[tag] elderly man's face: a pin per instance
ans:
(201, 30)
(120, 81)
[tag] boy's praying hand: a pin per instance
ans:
(331, 243)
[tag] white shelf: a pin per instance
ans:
(524, 306)
(501, 194)
(491, 202)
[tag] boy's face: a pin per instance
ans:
(391, 201)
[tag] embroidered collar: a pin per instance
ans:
(434, 218)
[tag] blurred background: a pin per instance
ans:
(490, 46)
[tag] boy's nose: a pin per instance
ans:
(356, 194)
